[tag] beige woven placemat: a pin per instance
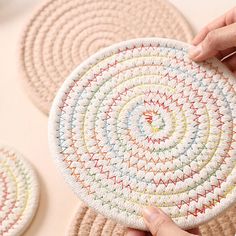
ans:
(62, 33)
(88, 223)
(224, 225)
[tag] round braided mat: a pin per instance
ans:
(62, 33)
(86, 222)
(19, 193)
(140, 124)
(224, 225)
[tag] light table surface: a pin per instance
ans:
(24, 127)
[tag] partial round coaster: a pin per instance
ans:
(141, 124)
(224, 225)
(19, 193)
(63, 33)
(86, 222)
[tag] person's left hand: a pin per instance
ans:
(160, 224)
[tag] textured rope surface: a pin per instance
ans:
(140, 124)
(19, 193)
(87, 223)
(224, 225)
(62, 33)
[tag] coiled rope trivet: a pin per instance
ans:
(19, 193)
(140, 124)
(88, 223)
(62, 33)
(224, 225)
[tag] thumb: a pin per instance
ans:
(160, 224)
(216, 41)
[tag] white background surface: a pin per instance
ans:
(24, 127)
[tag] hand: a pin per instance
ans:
(160, 224)
(217, 39)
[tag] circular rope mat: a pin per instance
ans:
(86, 222)
(140, 124)
(224, 225)
(62, 33)
(19, 193)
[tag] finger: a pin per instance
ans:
(231, 62)
(225, 53)
(160, 224)
(217, 23)
(216, 41)
(226, 19)
(134, 232)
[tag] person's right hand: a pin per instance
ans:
(217, 39)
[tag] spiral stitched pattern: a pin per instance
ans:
(140, 124)
(62, 33)
(18, 193)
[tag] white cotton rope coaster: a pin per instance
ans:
(19, 193)
(140, 124)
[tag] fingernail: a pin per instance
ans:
(195, 51)
(151, 213)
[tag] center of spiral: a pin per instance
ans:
(154, 119)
